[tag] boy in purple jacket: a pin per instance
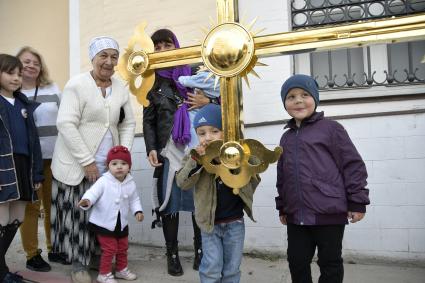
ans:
(321, 182)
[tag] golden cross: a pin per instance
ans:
(230, 50)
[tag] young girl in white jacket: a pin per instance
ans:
(111, 198)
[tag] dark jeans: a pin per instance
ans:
(302, 243)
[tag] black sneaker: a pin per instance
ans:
(16, 275)
(13, 278)
(37, 263)
(59, 258)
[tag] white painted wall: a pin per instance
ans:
(394, 226)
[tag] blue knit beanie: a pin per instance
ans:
(209, 115)
(307, 83)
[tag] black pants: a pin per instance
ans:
(170, 228)
(302, 243)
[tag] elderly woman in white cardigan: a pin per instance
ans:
(94, 115)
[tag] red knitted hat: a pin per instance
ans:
(119, 152)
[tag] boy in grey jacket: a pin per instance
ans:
(218, 212)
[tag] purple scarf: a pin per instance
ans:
(181, 126)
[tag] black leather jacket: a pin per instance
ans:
(158, 117)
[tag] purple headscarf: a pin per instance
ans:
(181, 127)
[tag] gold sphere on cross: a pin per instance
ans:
(228, 49)
(231, 154)
(137, 62)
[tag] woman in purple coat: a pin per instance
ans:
(321, 182)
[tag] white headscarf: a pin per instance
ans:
(100, 43)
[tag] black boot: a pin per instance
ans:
(197, 244)
(3, 267)
(7, 233)
(198, 256)
(170, 227)
(11, 230)
(173, 262)
(13, 278)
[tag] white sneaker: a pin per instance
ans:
(106, 278)
(125, 274)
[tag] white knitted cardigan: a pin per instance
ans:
(84, 117)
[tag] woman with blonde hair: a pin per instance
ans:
(38, 87)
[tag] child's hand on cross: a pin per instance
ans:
(200, 149)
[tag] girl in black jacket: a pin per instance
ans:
(21, 169)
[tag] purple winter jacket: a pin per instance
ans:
(320, 175)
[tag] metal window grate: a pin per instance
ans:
(354, 68)
(313, 13)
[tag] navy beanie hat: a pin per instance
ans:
(305, 82)
(209, 115)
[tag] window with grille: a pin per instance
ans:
(388, 65)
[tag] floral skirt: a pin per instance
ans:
(69, 224)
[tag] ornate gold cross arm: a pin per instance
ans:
(407, 28)
(142, 63)
(230, 50)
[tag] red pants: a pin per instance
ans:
(112, 246)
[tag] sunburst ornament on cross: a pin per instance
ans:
(230, 51)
